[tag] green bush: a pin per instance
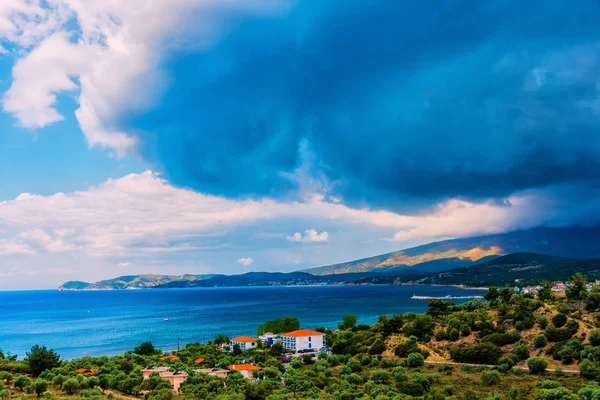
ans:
(521, 350)
(480, 353)
(594, 337)
(557, 334)
(415, 360)
(377, 347)
(559, 320)
(540, 341)
(490, 378)
(537, 365)
(502, 339)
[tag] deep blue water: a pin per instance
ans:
(110, 322)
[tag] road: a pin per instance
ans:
(566, 371)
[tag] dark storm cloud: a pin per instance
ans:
(397, 102)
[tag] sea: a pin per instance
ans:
(79, 323)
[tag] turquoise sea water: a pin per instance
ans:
(110, 322)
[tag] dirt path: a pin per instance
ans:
(566, 371)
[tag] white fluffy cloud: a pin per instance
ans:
(310, 236)
(108, 50)
(142, 215)
(246, 261)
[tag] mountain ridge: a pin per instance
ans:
(572, 242)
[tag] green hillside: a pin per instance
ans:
(133, 282)
(562, 242)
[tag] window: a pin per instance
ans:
(309, 338)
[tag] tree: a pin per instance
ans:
(146, 349)
(576, 289)
(559, 320)
(490, 378)
(4, 394)
(39, 359)
(539, 341)
(221, 339)
(237, 350)
(594, 337)
(506, 294)
(537, 365)
(545, 293)
(296, 382)
(6, 377)
(279, 325)
(377, 347)
(21, 382)
(492, 294)
(71, 386)
(415, 360)
(40, 386)
(380, 375)
(349, 322)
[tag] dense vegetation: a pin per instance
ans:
(510, 346)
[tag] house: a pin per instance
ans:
(174, 378)
(247, 370)
(303, 339)
(201, 361)
(85, 371)
(170, 357)
(218, 372)
(245, 342)
(269, 337)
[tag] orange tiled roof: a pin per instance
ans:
(244, 367)
(171, 357)
(81, 370)
(268, 333)
(245, 339)
(201, 361)
(303, 332)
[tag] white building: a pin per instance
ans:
(245, 342)
(269, 337)
(303, 339)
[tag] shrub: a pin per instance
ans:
(415, 360)
(411, 388)
(540, 341)
(490, 378)
(521, 350)
(377, 347)
(542, 322)
(537, 365)
(506, 363)
(446, 368)
(502, 339)
(480, 353)
(557, 334)
(594, 337)
(354, 379)
(559, 320)
(380, 375)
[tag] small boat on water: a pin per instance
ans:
(167, 317)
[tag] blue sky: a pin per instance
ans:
(281, 134)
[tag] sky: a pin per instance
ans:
(227, 136)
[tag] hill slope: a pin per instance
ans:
(526, 267)
(132, 282)
(562, 242)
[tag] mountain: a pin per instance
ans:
(506, 270)
(562, 242)
(132, 282)
(269, 279)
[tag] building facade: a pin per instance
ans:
(245, 342)
(303, 339)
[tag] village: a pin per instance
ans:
(301, 342)
(557, 286)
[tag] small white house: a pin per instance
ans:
(269, 337)
(245, 342)
(303, 339)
